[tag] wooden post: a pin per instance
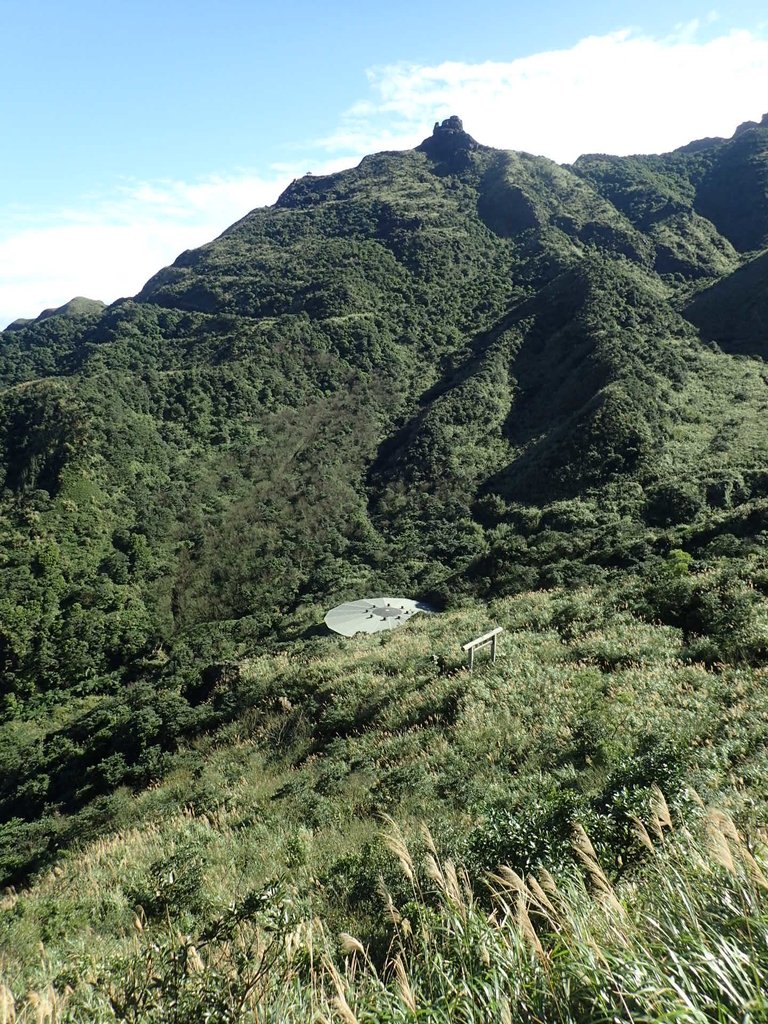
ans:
(482, 641)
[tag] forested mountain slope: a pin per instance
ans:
(529, 393)
(381, 382)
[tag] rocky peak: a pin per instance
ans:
(747, 125)
(451, 126)
(449, 142)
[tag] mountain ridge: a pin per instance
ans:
(447, 136)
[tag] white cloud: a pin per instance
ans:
(107, 248)
(621, 93)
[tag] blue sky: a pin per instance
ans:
(133, 130)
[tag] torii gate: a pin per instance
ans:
(482, 641)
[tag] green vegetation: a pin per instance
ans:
(533, 395)
(271, 824)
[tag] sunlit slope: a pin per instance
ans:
(587, 709)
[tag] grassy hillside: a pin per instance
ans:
(272, 822)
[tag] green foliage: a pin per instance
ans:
(383, 382)
(460, 374)
(175, 883)
(678, 562)
(720, 612)
(681, 939)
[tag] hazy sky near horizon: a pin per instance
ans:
(132, 131)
